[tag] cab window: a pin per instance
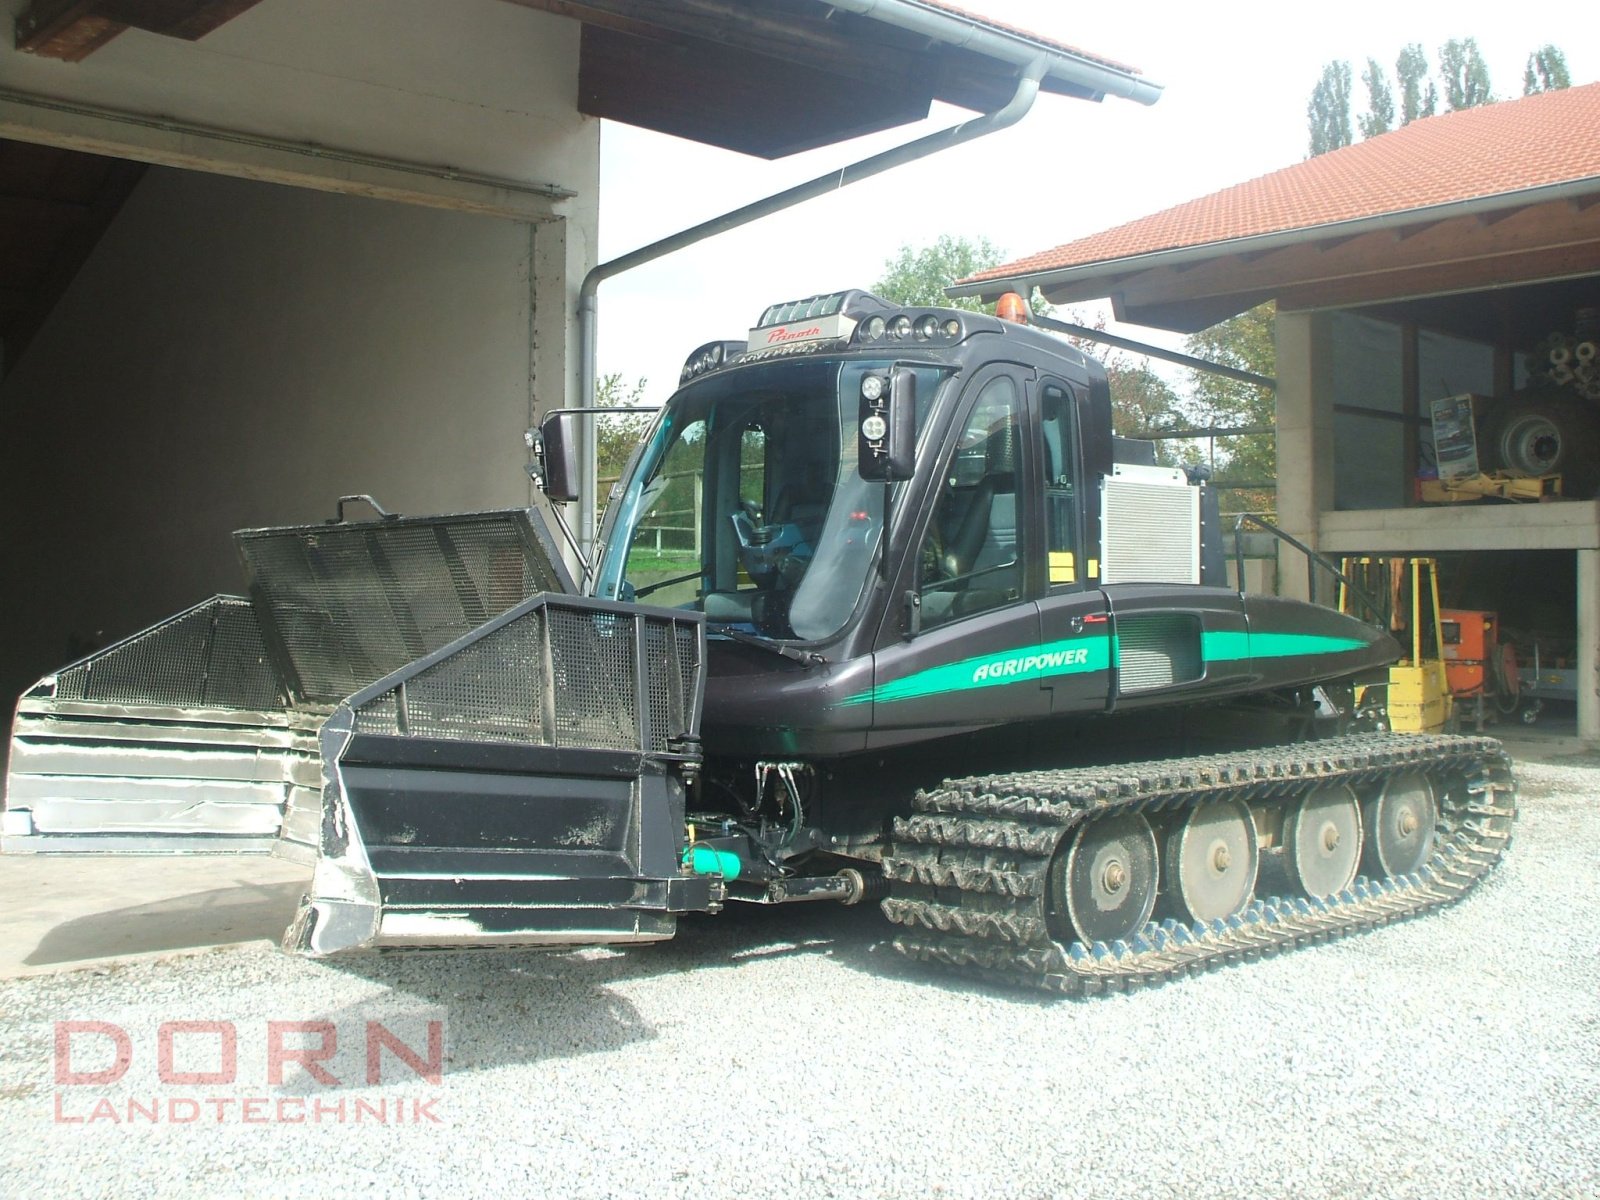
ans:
(1060, 456)
(971, 558)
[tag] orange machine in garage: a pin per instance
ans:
(1477, 663)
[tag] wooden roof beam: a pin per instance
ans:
(72, 30)
(1303, 265)
(1554, 262)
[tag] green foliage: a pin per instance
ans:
(1379, 117)
(1246, 343)
(917, 277)
(1418, 98)
(1329, 110)
(616, 436)
(1462, 70)
(1142, 402)
(1465, 75)
(1546, 71)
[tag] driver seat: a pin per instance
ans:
(985, 535)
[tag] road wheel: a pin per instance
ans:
(1400, 821)
(1322, 841)
(1211, 860)
(1103, 880)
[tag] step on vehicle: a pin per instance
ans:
(881, 611)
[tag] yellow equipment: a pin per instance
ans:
(1468, 489)
(1419, 697)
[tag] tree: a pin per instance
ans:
(1546, 71)
(1246, 343)
(617, 436)
(1411, 69)
(1142, 402)
(1329, 110)
(1462, 70)
(1379, 117)
(918, 278)
(1465, 75)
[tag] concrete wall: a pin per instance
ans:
(475, 87)
(240, 354)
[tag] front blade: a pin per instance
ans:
(523, 786)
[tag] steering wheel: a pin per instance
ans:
(771, 553)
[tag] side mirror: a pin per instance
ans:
(886, 442)
(557, 454)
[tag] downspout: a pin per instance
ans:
(1012, 112)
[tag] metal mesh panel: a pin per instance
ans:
(594, 667)
(1156, 650)
(353, 603)
(556, 675)
(212, 656)
(490, 690)
(660, 680)
(688, 638)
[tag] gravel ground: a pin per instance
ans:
(788, 1051)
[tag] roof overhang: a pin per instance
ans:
(764, 77)
(775, 77)
(1541, 233)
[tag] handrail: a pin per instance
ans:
(1313, 561)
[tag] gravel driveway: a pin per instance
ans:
(786, 1052)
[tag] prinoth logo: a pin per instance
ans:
(784, 334)
(778, 338)
(1030, 664)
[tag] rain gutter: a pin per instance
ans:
(974, 33)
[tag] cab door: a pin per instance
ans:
(1075, 629)
(974, 657)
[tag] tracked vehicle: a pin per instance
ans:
(881, 611)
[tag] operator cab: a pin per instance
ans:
(764, 493)
(759, 495)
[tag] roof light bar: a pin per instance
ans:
(708, 358)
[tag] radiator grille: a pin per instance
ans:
(212, 656)
(1151, 533)
(350, 604)
(555, 673)
(1157, 650)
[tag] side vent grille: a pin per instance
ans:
(1156, 650)
(1151, 530)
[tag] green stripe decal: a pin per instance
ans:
(1084, 654)
(1073, 657)
(1239, 646)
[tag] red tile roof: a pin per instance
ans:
(1502, 148)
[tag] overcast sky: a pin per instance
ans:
(1237, 79)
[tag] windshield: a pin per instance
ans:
(746, 503)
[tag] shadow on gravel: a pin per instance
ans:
(237, 913)
(505, 1007)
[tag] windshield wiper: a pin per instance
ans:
(655, 587)
(809, 657)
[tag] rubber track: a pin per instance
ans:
(968, 872)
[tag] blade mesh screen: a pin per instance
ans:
(353, 603)
(212, 656)
(555, 676)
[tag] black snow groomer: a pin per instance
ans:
(880, 610)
